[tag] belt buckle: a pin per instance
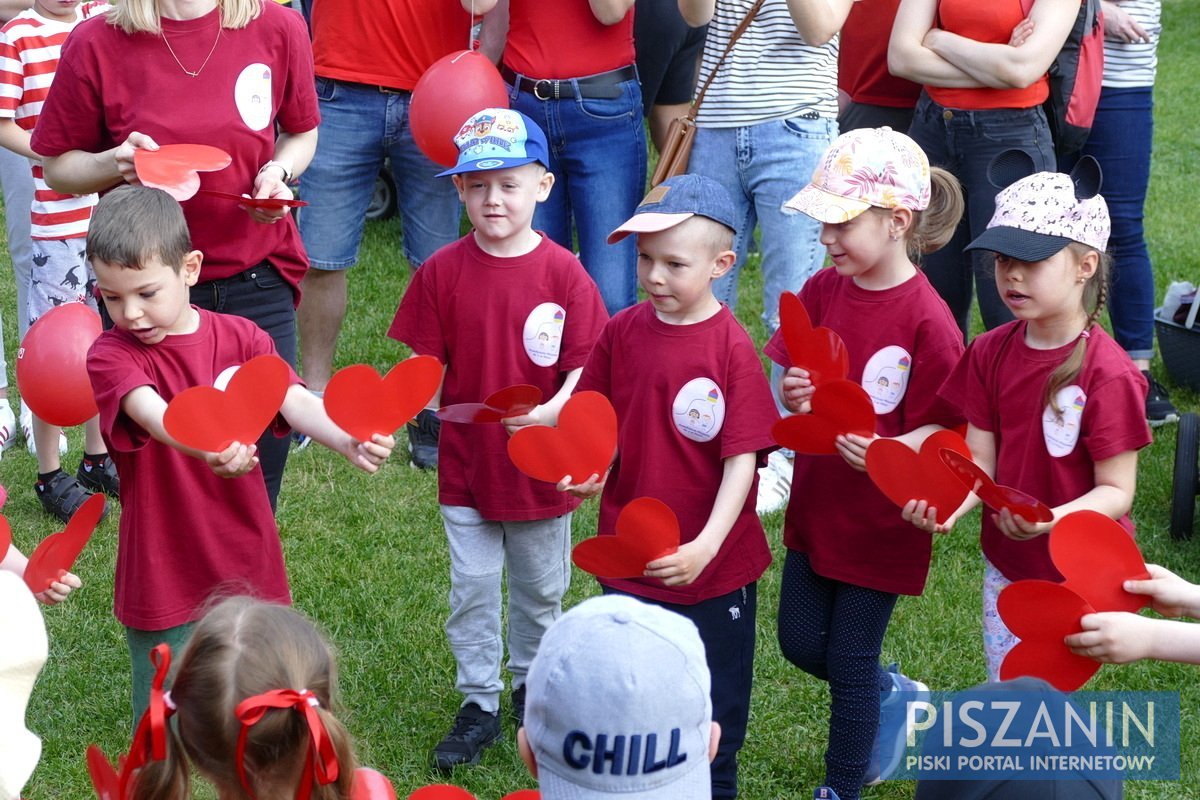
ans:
(550, 87)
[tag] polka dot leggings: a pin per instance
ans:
(834, 631)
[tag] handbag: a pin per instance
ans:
(677, 149)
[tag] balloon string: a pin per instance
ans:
(471, 31)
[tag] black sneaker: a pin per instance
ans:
(474, 731)
(423, 431)
(1159, 409)
(99, 480)
(62, 495)
(518, 705)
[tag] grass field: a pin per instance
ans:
(367, 559)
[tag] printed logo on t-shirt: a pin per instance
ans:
(252, 96)
(543, 333)
(1061, 431)
(886, 377)
(699, 410)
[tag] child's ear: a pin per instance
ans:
(723, 263)
(458, 184)
(901, 221)
(191, 267)
(545, 184)
(1088, 264)
(526, 751)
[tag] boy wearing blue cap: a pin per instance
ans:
(695, 414)
(503, 305)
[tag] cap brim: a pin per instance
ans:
(486, 165)
(824, 206)
(1019, 244)
(647, 222)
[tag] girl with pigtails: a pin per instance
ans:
(1054, 405)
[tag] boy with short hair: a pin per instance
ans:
(503, 305)
(695, 414)
(192, 523)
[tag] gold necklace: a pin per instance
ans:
(187, 71)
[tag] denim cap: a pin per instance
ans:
(617, 703)
(869, 167)
(674, 200)
(496, 138)
(23, 634)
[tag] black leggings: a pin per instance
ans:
(834, 631)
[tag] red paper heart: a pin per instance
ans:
(838, 407)
(104, 776)
(523, 794)
(275, 203)
(56, 554)
(994, 495)
(511, 401)
(1041, 614)
(582, 445)
(371, 785)
(1096, 556)
(208, 419)
(903, 475)
(5, 536)
(174, 167)
(363, 404)
(441, 791)
(646, 529)
(819, 350)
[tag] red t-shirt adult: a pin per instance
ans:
(495, 322)
(385, 43)
(862, 57)
(902, 342)
(563, 39)
(1000, 385)
(185, 532)
(687, 397)
(110, 84)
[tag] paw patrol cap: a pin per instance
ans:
(496, 138)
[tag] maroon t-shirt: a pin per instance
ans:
(1000, 385)
(110, 84)
(185, 532)
(495, 322)
(687, 398)
(563, 39)
(902, 342)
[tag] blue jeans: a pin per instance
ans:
(598, 157)
(360, 127)
(1121, 140)
(964, 142)
(762, 166)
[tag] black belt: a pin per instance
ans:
(605, 85)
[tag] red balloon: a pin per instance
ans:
(451, 91)
(52, 365)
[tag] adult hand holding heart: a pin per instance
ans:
(175, 168)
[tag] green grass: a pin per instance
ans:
(367, 559)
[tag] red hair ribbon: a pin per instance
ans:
(321, 759)
(150, 736)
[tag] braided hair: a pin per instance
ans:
(1095, 295)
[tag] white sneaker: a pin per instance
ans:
(27, 432)
(774, 484)
(8, 426)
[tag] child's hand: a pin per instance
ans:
(1114, 637)
(593, 486)
(368, 456)
(924, 517)
(514, 424)
(853, 449)
(1015, 527)
(796, 390)
(234, 461)
(683, 566)
(123, 155)
(59, 589)
(1170, 594)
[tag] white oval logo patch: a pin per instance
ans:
(489, 163)
(886, 376)
(699, 410)
(542, 335)
(1061, 431)
(252, 96)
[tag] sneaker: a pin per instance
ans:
(824, 793)
(1159, 409)
(8, 427)
(474, 731)
(103, 480)
(301, 440)
(423, 433)
(774, 484)
(62, 495)
(892, 737)
(27, 433)
(518, 705)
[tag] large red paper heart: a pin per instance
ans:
(1041, 614)
(994, 495)
(208, 419)
(903, 475)
(1096, 556)
(104, 776)
(819, 350)
(371, 785)
(581, 446)
(363, 404)
(511, 401)
(5, 536)
(647, 529)
(56, 554)
(174, 168)
(838, 407)
(274, 203)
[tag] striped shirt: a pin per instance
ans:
(771, 73)
(29, 50)
(1130, 64)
